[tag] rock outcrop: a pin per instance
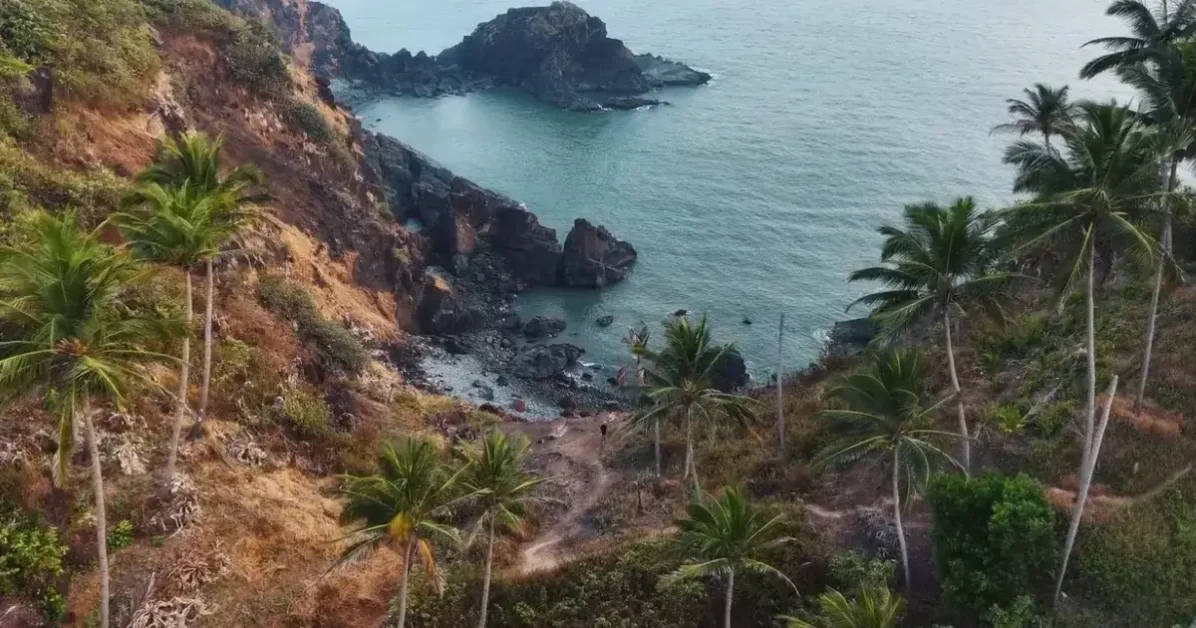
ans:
(593, 258)
(851, 337)
(442, 311)
(731, 372)
(543, 326)
(545, 361)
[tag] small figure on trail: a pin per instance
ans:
(602, 447)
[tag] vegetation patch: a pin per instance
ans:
(31, 561)
(336, 345)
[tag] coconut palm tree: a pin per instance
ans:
(1044, 110)
(194, 162)
(873, 607)
(637, 340)
(183, 227)
(1088, 203)
(879, 410)
(1168, 85)
(680, 385)
(1150, 32)
(65, 335)
(494, 473)
(403, 506)
(725, 536)
(933, 267)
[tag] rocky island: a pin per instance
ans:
(559, 53)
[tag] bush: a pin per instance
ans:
(30, 562)
(993, 537)
(851, 570)
(121, 536)
(1018, 614)
(253, 54)
(337, 347)
(306, 412)
(307, 117)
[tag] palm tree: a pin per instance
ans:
(873, 607)
(880, 411)
(183, 227)
(1088, 201)
(1150, 32)
(494, 473)
(1168, 85)
(724, 536)
(681, 385)
(934, 266)
(66, 336)
(1044, 110)
(402, 506)
(637, 340)
(194, 162)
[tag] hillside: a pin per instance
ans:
(327, 307)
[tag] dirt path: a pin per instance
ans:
(570, 452)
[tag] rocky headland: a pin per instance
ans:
(558, 53)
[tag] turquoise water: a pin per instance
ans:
(759, 193)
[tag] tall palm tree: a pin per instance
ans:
(880, 411)
(1044, 110)
(637, 340)
(873, 607)
(194, 162)
(1150, 33)
(494, 473)
(403, 506)
(65, 335)
(934, 266)
(680, 385)
(1088, 202)
(724, 536)
(183, 227)
(1168, 85)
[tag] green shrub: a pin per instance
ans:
(336, 345)
(306, 412)
(307, 117)
(253, 54)
(851, 570)
(992, 537)
(1019, 613)
(1141, 564)
(30, 562)
(121, 536)
(26, 182)
(1007, 418)
(197, 16)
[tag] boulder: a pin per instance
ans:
(851, 337)
(567, 402)
(545, 361)
(543, 326)
(34, 96)
(440, 310)
(605, 321)
(593, 258)
(731, 372)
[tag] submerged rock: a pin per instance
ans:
(593, 257)
(542, 326)
(605, 321)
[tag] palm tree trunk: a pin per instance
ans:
(780, 386)
(184, 376)
(1158, 288)
(97, 486)
(1086, 473)
(897, 517)
(486, 581)
(207, 346)
(407, 557)
(965, 443)
(1090, 402)
(730, 596)
(639, 381)
(689, 451)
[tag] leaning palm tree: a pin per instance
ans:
(873, 607)
(1044, 110)
(933, 267)
(1150, 32)
(66, 336)
(724, 536)
(1089, 201)
(183, 227)
(680, 385)
(637, 340)
(403, 506)
(880, 410)
(1168, 85)
(194, 162)
(494, 473)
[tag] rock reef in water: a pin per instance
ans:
(559, 53)
(593, 258)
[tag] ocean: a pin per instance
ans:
(759, 193)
